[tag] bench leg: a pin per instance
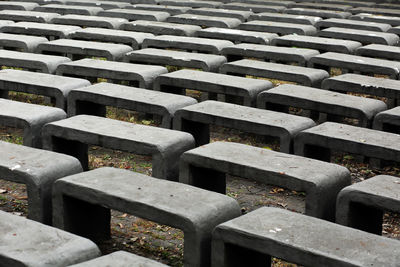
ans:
(200, 131)
(368, 219)
(39, 204)
(203, 178)
(73, 148)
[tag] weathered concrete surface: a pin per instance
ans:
(287, 18)
(205, 21)
(51, 31)
(321, 181)
(380, 51)
(65, 9)
(28, 16)
(280, 28)
(172, 10)
(190, 3)
(194, 210)
(388, 121)
(362, 36)
(324, 6)
(120, 259)
(394, 21)
(38, 169)
(24, 43)
(353, 24)
(89, 21)
(134, 14)
(325, 14)
(161, 28)
(254, 7)
(27, 243)
(377, 11)
(103, 4)
(242, 15)
(16, 5)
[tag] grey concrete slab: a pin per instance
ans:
(29, 16)
(90, 21)
(172, 10)
(146, 101)
(379, 51)
(133, 39)
(135, 14)
(4, 23)
(323, 6)
(160, 28)
(150, 2)
(356, 63)
(205, 21)
(193, 210)
(50, 31)
(280, 28)
(388, 5)
(24, 43)
(351, 3)
(37, 169)
(325, 14)
(272, 232)
(16, 5)
(318, 142)
(64, 9)
(254, 7)
(135, 74)
(189, 44)
(212, 83)
(190, 3)
(29, 243)
(318, 43)
(205, 62)
(237, 36)
(269, 53)
(362, 84)
(394, 21)
(45, 2)
(301, 75)
(388, 120)
(242, 15)
(120, 259)
(364, 37)
(55, 87)
(29, 117)
(103, 4)
(377, 11)
(36, 62)
(73, 135)
(78, 49)
(353, 24)
(269, 2)
(196, 119)
(287, 18)
(319, 180)
(368, 199)
(322, 101)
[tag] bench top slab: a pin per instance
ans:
(388, 117)
(135, 14)
(40, 29)
(160, 28)
(89, 21)
(190, 3)
(205, 21)
(220, 12)
(288, 234)
(325, 14)
(353, 24)
(103, 4)
(362, 36)
(323, 6)
(269, 2)
(26, 43)
(377, 11)
(380, 51)
(254, 7)
(29, 243)
(394, 21)
(29, 16)
(287, 18)
(17, 5)
(66, 9)
(281, 28)
(172, 10)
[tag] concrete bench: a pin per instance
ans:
(286, 18)
(120, 259)
(16, 5)
(36, 62)
(318, 43)
(388, 121)
(254, 7)
(29, 16)
(242, 15)
(353, 24)
(395, 30)
(50, 31)
(205, 21)
(134, 14)
(301, 75)
(55, 87)
(133, 39)
(325, 14)
(136, 75)
(4, 23)
(92, 100)
(205, 62)
(190, 3)
(103, 4)
(387, 5)
(65, 9)
(351, 3)
(189, 44)
(376, 11)
(77, 49)
(269, 53)
(231, 87)
(394, 21)
(193, 210)
(29, 243)
(269, 2)
(280, 28)
(364, 37)
(353, 63)
(38, 169)
(318, 142)
(28, 117)
(24, 43)
(159, 28)
(89, 21)
(380, 51)
(323, 6)
(237, 36)
(321, 101)
(73, 135)
(206, 167)
(362, 205)
(172, 10)
(271, 232)
(196, 119)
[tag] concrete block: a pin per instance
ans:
(17, 5)
(65, 9)
(351, 3)
(103, 4)
(388, 121)
(325, 14)
(353, 24)
(242, 15)
(364, 37)
(190, 3)
(28, 16)
(134, 14)
(193, 210)
(205, 21)
(135, 74)
(24, 43)
(379, 51)
(376, 11)
(254, 7)
(394, 21)
(172, 10)
(161, 28)
(73, 135)
(89, 21)
(280, 28)
(323, 6)
(269, 2)
(286, 18)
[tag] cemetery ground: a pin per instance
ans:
(163, 243)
